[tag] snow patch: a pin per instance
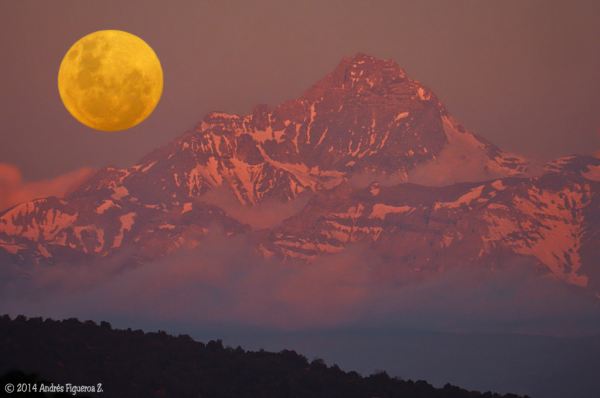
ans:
(266, 253)
(127, 221)
(263, 135)
(42, 226)
(465, 199)
(105, 206)
(353, 212)
(546, 229)
(150, 165)
(381, 210)
(423, 95)
(119, 192)
(593, 173)
(209, 173)
(401, 116)
(498, 185)
(12, 248)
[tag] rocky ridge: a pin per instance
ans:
(386, 163)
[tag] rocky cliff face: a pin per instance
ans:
(386, 164)
(548, 219)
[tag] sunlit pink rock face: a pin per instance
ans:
(366, 156)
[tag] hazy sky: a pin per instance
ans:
(525, 75)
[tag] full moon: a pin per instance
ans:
(110, 80)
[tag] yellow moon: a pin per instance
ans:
(110, 80)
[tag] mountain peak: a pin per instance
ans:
(364, 122)
(353, 73)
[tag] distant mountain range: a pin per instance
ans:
(367, 155)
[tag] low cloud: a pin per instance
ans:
(13, 190)
(363, 180)
(461, 163)
(221, 283)
(267, 214)
(455, 164)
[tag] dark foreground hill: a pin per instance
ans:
(131, 363)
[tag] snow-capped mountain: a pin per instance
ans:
(386, 165)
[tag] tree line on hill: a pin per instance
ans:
(131, 363)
